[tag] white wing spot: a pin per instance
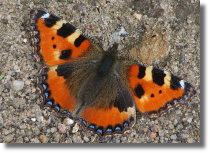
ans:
(182, 83)
(44, 16)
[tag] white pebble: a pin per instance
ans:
(75, 128)
(189, 120)
(173, 137)
(16, 68)
(119, 32)
(137, 16)
(17, 85)
(33, 119)
(68, 121)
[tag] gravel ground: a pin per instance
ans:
(171, 29)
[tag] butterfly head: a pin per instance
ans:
(108, 61)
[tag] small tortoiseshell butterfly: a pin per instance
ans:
(82, 81)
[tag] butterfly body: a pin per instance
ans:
(95, 86)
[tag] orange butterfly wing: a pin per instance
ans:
(156, 91)
(55, 42)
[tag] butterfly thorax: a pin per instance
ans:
(106, 65)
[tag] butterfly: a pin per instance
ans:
(96, 87)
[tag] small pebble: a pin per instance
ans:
(180, 126)
(189, 120)
(75, 128)
(119, 32)
(173, 137)
(17, 85)
(36, 140)
(48, 130)
(68, 121)
(152, 135)
(77, 139)
(33, 119)
(53, 129)
(20, 140)
(62, 128)
(174, 141)
(16, 68)
(86, 139)
(190, 140)
(25, 40)
(40, 118)
(43, 138)
(28, 113)
(161, 133)
(28, 82)
(35, 130)
(178, 111)
(7, 85)
(57, 136)
(93, 138)
(137, 16)
(33, 90)
(8, 138)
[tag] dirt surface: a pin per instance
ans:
(168, 34)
